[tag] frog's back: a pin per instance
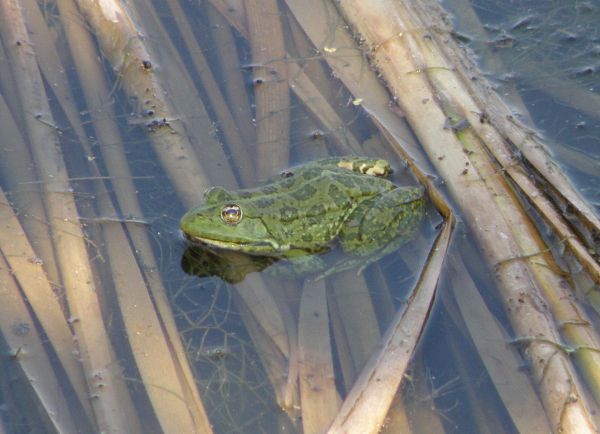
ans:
(309, 205)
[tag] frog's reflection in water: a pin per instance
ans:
(230, 266)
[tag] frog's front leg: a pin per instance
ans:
(380, 226)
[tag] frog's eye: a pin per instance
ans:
(231, 214)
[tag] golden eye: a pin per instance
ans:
(231, 214)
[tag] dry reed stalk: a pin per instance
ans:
(545, 271)
(342, 344)
(116, 32)
(271, 93)
(52, 69)
(113, 408)
(234, 12)
(244, 164)
(29, 273)
(263, 306)
(236, 90)
(318, 395)
(307, 89)
(324, 113)
(458, 101)
(500, 358)
(355, 308)
(282, 290)
(273, 359)
(188, 106)
(327, 31)
(27, 196)
(25, 191)
(27, 353)
(95, 90)
(397, 420)
(124, 46)
(367, 404)
(310, 81)
(491, 61)
(8, 89)
(149, 345)
(395, 41)
(502, 154)
(503, 126)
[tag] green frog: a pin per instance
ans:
(297, 216)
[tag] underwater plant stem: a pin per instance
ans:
(27, 356)
(233, 81)
(161, 360)
(354, 306)
(26, 198)
(124, 46)
(336, 45)
(28, 271)
(502, 361)
(271, 88)
(318, 395)
(112, 409)
(238, 147)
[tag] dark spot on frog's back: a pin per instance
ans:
(270, 189)
(317, 210)
(288, 213)
(347, 181)
(245, 194)
(310, 174)
(305, 192)
(264, 202)
(336, 195)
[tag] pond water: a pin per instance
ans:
(543, 57)
(132, 332)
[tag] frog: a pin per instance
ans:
(302, 213)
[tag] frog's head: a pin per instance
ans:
(228, 223)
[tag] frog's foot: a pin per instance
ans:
(366, 166)
(360, 165)
(362, 262)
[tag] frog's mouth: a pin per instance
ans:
(258, 247)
